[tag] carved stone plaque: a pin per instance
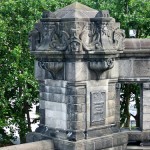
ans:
(98, 99)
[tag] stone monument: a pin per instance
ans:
(76, 50)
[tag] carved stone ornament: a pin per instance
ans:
(52, 67)
(73, 29)
(118, 37)
(35, 36)
(101, 66)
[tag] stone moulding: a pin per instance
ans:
(76, 36)
(101, 66)
(52, 67)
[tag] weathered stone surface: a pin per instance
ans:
(91, 133)
(76, 99)
(40, 145)
(137, 44)
(81, 53)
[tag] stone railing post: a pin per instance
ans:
(76, 50)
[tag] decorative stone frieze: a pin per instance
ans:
(76, 31)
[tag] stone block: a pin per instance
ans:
(47, 96)
(34, 136)
(42, 88)
(61, 98)
(55, 114)
(146, 94)
(111, 95)
(132, 43)
(82, 71)
(56, 123)
(76, 125)
(57, 90)
(146, 86)
(76, 71)
(55, 83)
(59, 144)
(42, 104)
(135, 136)
(90, 145)
(146, 101)
(111, 88)
(76, 117)
(110, 120)
(80, 146)
(70, 71)
(125, 68)
(68, 145)
(146, 109)
(103, 143)
(146, 125)
(145, 136)
(120, 139)
(75, 108)
(146, 117)
(111, 112)
(76, 99)
(53, 106)
(98, 132)
(139, 69)
(79, 90)
(117, 117)
(145, 44)
(111, 104)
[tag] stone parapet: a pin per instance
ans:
(40, 145)
(111, 142)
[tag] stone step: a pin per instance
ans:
(138, 147)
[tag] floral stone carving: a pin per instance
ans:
(56, 32)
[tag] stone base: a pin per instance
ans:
(138, 136)
(116, 141)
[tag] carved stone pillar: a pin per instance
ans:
(76, 49)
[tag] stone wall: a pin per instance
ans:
(41, 145)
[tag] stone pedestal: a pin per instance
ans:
(76, 50)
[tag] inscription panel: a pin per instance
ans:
(98, 99)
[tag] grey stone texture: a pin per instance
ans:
(81, 56)
(40, 145)
(116, 141)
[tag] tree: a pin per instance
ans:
(129, 92)
(18, 88)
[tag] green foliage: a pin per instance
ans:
(18, 88)
(129, 92)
